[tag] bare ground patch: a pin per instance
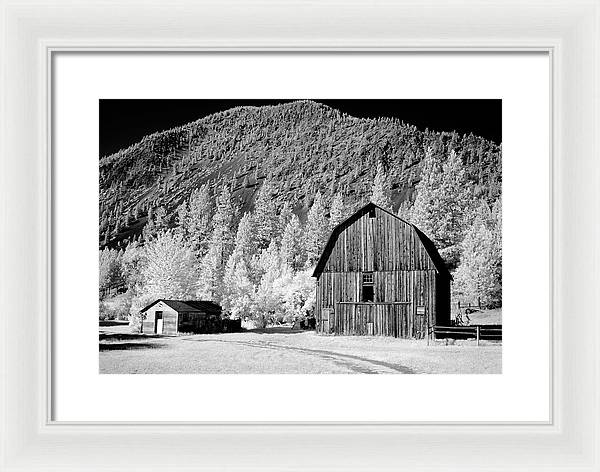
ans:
(282, 351)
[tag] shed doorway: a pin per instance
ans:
(158, 322)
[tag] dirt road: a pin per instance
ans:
(283, 351)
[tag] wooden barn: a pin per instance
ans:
(176, 316)
(380, 275)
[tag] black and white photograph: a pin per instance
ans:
(300, 236)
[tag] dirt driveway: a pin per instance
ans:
(283, 351)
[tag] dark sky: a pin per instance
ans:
(125, 122)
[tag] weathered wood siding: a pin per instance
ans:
(373, 319)
(408, 291)
(338, 290)
(383, 243)
(200, 322)
(170, 319)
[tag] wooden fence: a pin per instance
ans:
(478, 332)
(112, 291)
(461, 305)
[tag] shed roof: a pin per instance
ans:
(432, 251)
(183, 306)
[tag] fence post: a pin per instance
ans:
(477, 328)
(428, 333)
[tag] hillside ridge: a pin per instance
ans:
(302, 147)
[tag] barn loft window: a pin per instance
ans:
(367, 287)
(372, 213)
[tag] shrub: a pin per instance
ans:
(116, 308)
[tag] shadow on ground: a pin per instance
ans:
(113, 323)
(121, 336)
(276, 330)
(127, 346)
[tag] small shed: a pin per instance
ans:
(380, 275)
(178, 316)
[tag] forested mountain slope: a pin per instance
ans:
(301, 147)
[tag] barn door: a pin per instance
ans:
(326, 316)
(158, 322)
(420, 322)
(401, 321)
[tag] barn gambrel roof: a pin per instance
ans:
(183, 306)
(430, 248)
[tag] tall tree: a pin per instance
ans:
(245, 238)
(267, 298)
(404, 211)
(194, 219)
(381, 193)
(161, 219)
(337, 212)
(285, 215)
(117, 229)
(291, 244)
(238, 290)
(265, 215)
(158, 222)
(170, 269)
(316, 231)
(132, 262)
(224, 221)
(239, 261)
(110, 269)
(443, 203)
(220, 247)
(479, 275)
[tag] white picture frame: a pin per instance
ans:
(568, 30)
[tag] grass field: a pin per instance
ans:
(486, 317)
(284, 351)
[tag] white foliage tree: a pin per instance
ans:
(297, 294)
(238, 289)
(267, 298)
(285, 215)
(110, 268)
(316, 231)
(443, 204)
(265, 215)
(291, 244)
(170, 269)
(132, 263)
(337, 212)
(245, 239)
(381, 193)
(220, 247)
(479, 275)
(194, 219)
(404, 211)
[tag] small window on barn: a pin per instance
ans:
(372, 213)
(368, 294)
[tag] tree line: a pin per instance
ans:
(258, 263)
